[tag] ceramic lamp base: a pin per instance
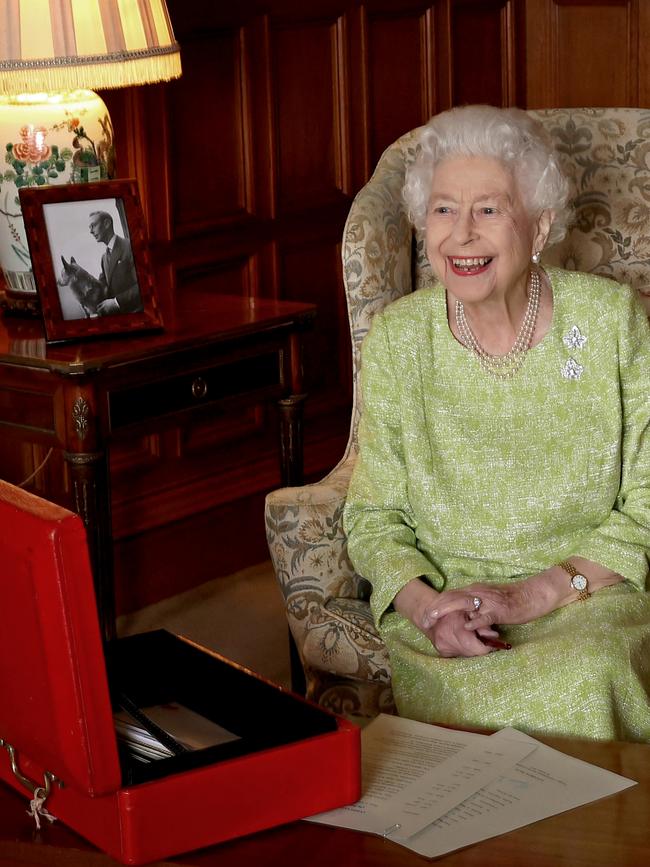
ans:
(56, 138)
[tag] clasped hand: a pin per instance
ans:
(453, 624)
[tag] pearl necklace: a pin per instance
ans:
(504, 366)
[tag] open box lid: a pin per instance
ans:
(55, 708)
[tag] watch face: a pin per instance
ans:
(579, 582)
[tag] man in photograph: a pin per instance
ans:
(118, 268)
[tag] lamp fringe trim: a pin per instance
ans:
(100, 72)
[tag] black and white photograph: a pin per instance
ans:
(90, 258)
(91, 249)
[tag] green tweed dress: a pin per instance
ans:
(463, 477)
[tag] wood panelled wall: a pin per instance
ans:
(247, 167)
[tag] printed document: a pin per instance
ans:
(433, 789)
(413, 773)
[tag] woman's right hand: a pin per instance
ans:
(451, 637)
(417, 601)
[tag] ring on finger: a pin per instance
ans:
(477, 602)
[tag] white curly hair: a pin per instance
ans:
(509, 135)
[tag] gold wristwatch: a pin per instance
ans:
(578, 581)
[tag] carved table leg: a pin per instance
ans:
(291, 469)
(291, 451)
(298, 680)
(91, 492)
(87, 461)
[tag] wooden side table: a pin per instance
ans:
(217, 354)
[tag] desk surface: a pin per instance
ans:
(193, 318)
(613, 832)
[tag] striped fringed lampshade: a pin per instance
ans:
(50, 45)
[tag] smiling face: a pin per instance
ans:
(479, 236)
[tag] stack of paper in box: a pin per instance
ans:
(158, 732)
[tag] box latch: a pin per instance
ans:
(39, 793)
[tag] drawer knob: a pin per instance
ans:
(199, 388)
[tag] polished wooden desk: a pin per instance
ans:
(614, 832)
(216, 354)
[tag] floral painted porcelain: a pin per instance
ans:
(45, 139)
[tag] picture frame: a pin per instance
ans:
(90, 258)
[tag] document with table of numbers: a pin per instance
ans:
(433, 789)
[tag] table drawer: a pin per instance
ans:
(201, 387)
(27, 409)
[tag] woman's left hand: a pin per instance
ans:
(507, 604)
(497, 604)
(521, 601)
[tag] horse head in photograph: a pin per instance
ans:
(88, 290)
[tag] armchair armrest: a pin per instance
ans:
(326, 601)
(304, 530)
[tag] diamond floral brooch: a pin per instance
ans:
(573, 340)
(572, 370)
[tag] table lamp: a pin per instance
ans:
(53, 128)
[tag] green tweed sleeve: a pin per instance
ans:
(622, 541)
(378, 517)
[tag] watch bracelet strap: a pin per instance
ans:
(568, 567)
(583, 595)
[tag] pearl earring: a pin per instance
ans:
(536, 257)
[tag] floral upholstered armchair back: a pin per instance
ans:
(606, 155)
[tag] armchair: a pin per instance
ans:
(606, 154)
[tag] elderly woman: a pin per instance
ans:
(500, 506)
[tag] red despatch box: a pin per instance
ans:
(58, 689)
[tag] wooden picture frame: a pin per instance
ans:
(87, 289)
